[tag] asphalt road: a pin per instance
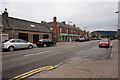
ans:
(20, 61)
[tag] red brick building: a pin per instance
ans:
(62, 31)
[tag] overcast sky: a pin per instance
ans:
(87, 14)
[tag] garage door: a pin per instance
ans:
(23, 36)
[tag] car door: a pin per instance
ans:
(50, 42)
(16, 43)
(46, 42)
(23, 44)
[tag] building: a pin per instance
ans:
(62, 31)
(118, 26)
(23, 29)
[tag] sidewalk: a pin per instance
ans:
(87, 69)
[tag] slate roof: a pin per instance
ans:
(50, 24)
(20, 24)
(1, 27)
(0, 18)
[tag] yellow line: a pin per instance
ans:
(41, 68)
(34, 73)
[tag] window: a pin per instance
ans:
(23, 41)
(15, 41)
(60, 30)
(67, 30)
(32, 25)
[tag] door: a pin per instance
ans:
(35, 38)
(23, 44)
(16, 43)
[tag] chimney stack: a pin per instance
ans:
(63, 22)
(54, 35)
(5, 14)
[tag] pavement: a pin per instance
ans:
(74, 68)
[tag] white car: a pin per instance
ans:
(13, 44)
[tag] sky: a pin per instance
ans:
(90, 15)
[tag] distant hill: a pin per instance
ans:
(105, 32)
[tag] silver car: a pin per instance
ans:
(13, 44)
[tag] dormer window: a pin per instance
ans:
(32, 25)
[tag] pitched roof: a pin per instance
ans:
(20, 24)
(50, 24)
(0, 18)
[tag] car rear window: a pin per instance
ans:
(5, 41)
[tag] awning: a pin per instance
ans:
(63, 34)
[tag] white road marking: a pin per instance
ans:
(27, 55)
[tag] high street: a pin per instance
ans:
(21, 61)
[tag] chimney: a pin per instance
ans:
(43, 21)
(54, 19)
(54, 35)
(5, 14)
(73, 25)
(63, 22)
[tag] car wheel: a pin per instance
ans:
(44, 45)
(11, 48)
(54, 44)
(99, 46)
(30, 46)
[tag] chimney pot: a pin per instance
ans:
(5, 11)
(73, 25)
(63, 22)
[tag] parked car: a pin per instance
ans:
(45, 43)
(94, 38)
(80, 40)
(13, 44)
(86, 39)
(104, 43)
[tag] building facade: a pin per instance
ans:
(62, 31)
(14, 28)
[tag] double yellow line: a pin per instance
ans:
(24, 75)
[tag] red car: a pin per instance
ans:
(81, 39)
(104, 43)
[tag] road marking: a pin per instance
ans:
(37, 53)
(29, 73)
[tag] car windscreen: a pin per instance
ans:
(104, 40)
(41, 40)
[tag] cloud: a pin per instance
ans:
(93, 15)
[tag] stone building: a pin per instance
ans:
(62, 31)
(15, 28)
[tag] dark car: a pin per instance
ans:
(45, 43)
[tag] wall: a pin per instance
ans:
(30, 34)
